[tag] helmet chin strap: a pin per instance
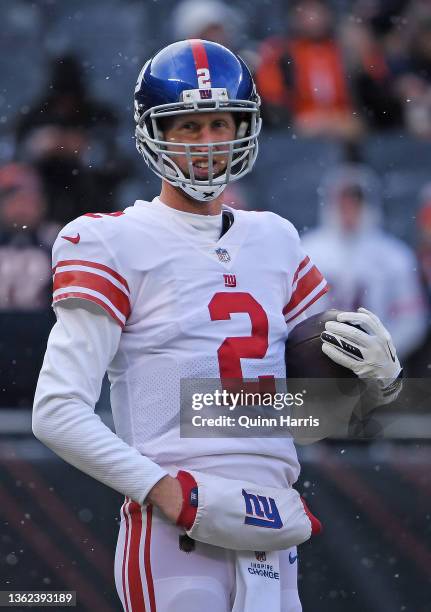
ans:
(202, 194)
(199, 193)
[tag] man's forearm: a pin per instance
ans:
(79, 349)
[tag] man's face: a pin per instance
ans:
(201, 129)
(350, 208)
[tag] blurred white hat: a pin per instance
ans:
(191, 17)
(351, 175)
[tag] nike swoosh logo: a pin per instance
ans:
(292, 558)
(390, 353)
(342, 344)
(73, 239)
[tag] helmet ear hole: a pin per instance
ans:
(242, 129)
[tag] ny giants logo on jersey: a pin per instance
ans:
(229, 280)
(261, 511)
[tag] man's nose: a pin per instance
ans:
(206, 136)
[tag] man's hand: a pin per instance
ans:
(234, 514)
(167, 495)
(369, 351)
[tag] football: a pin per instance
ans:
(333, 393)
(304, 356)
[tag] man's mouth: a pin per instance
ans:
(200, 168)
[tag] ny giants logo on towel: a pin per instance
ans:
(261, 511)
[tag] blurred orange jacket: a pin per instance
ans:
(303, 75)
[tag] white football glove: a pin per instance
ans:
(369, 351)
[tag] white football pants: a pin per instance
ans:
(153, 574)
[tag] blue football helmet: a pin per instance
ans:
(196, 76)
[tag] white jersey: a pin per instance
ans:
(190, 307)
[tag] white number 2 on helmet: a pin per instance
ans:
(204, 79)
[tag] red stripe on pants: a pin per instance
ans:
(147, 559)
(134, 575)
(123, 570)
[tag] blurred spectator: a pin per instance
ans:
(372, 75)
(70, 138)
(25, 240)
(216, 21)
(413, 83)
(364, 265)
(301, 76)
(420, 362)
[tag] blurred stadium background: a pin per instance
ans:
(345, 155)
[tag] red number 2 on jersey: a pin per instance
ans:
(232, 349)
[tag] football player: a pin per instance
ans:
(183, 287)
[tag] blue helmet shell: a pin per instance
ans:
(196, 76)
(172, 71)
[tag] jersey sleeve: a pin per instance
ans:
(82, 343)
(307, 286)
(85, 267)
